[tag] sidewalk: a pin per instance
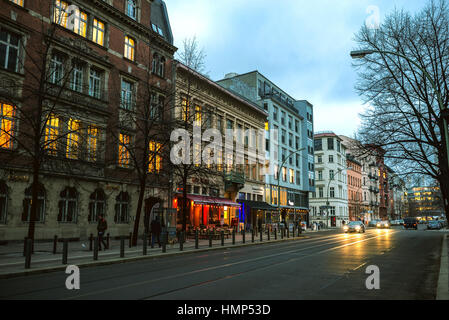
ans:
(12, 261)
(443, 279)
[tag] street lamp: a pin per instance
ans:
(279, 177)
(359, 54)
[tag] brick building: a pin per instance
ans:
(80, 71)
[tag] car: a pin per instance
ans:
(354, 226)
(383, 224)
(410, 223)
(434, 225)
(373, 223)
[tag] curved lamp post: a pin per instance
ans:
(359, 54)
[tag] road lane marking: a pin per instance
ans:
(229, 265)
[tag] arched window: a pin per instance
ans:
(122, 208)
(155, 62)
(40, 215)
(68, 205)
(96, 205)
(161, 70)
(3, 201)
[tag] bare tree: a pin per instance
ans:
(193, 56)
(405, 83)
(144, 117)
(37, 106)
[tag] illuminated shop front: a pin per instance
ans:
(208, 211)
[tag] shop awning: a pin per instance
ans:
(258, 205)
(210, 200)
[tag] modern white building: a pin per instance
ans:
(329, 202)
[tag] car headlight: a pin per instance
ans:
(386, 225)
(357, 227)
(378, 224)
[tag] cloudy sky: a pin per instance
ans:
(301, 45)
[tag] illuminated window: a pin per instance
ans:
(68, 205)
(284, 174)
(7, 113)
(60, 13)
(18, 2)
(9, 50)
(98, 32)
(185, 110)
(123, 150)
(154, 161)
(129, 48)
(292, 176)
(76, 82)
(198, 115)
(26, 213)
(73, 139)
(51, 134)
(92, 139)
(80, 23)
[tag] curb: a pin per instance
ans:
(443, 279)
(139, 258)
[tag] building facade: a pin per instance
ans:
(96, 61)
(218, 196)
(289, 145)
(329, 202)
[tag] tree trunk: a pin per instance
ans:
(138, 212)
(34, 199)
(184, 204)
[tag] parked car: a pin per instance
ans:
(354, 226)
(434, 225)
(411, 223)
(373, 223)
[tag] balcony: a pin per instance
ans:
(234, 181)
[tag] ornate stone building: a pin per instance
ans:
(80, 71)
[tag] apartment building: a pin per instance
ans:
(77, 75)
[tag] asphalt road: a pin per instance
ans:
(328, 265)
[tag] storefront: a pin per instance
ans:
(205, 211)
(253, 211)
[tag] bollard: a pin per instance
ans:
(252, 235)
(243, 235)
(96, 244)
(164, 241)
(233, 236)
(268, 235)
(196, 239)
(275, 233)
(91, 239)
(222, 237)
(122, 247)
(65, 251)
(25, 246)
(210, 239)
(145, 243)
(261, 235)
(288, 232)
(55, 244)
(181, 241)
(130, 239)
(282, 233)
(107, 240)
(28, 254)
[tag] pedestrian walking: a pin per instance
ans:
(156, 231)
(101, 228)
